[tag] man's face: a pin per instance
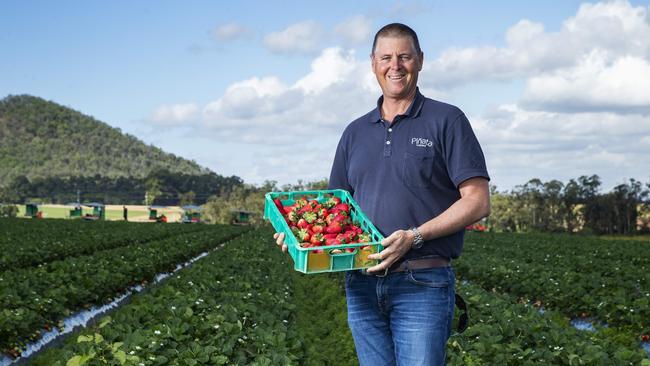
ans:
(396, 65)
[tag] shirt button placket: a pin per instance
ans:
(387, 146)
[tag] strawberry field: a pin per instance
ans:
(244, 304)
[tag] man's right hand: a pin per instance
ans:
(279, 240)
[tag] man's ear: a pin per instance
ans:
(421, 61)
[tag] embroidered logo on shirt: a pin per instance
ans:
(421, 142)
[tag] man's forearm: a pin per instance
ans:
(473, 205)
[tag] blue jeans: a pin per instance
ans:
(402, 319)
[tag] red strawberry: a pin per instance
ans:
(310, 217)
(333, 228)
(331, 241)
(332, 202)
(293, 216)
(303, 235)
(300, 203)
(278, 204)
(322, 212)
(302, 223)
(318, 228)
(341, 207)
(317, 239)
(364, 238)
(645, 338)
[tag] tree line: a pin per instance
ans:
(577, 206)
(160, 187)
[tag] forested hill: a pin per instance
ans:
(41, 139)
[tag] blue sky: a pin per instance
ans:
(262, 90)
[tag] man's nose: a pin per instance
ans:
(395, 63)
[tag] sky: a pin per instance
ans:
(264, 89)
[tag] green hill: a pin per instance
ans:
(42, 139)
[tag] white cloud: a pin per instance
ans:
(230, 31)
(584, 108)
(594, 84)
(332, 66)
(355, 30)
(329, 96)
(614, 28)
(520, 144)
(174, 114)
(303, 37)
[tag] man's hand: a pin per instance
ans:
(279, 240)
(395, 246)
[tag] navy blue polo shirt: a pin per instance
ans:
(405, 173)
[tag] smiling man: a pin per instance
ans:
(416, 169)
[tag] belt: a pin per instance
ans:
(411, 264)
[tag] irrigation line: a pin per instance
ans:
(91, 316)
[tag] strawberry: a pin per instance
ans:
(645, 337)
(331, 241)
(356, 229)
(278, 204)
(302, 223)
(287, 209)
(322, 212)
(341, 207)
(342, 239)
(310, 217)
(303, 235)
(293, 216)
(329, 218)
(333, 228)
(350, 234)
(318, 228)
(333, 201)
(300, 203)
(364, 238)
(317, 239)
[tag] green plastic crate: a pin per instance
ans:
(320, 259)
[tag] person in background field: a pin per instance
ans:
(416, 169)
(125, 213)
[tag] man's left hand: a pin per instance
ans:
(395, 246)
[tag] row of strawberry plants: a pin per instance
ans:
(321, 319)
(40, 297)
(501, 331)
(232, 307)
(25, 243)
(607, 281)
(504, 332)
(244, 305)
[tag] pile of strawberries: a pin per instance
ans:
(318, 224)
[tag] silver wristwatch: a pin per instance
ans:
(417, 238)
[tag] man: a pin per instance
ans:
(416, 169)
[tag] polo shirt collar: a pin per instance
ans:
(412, 111)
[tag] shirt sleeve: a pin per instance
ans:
(339, 173)
(463, 153)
